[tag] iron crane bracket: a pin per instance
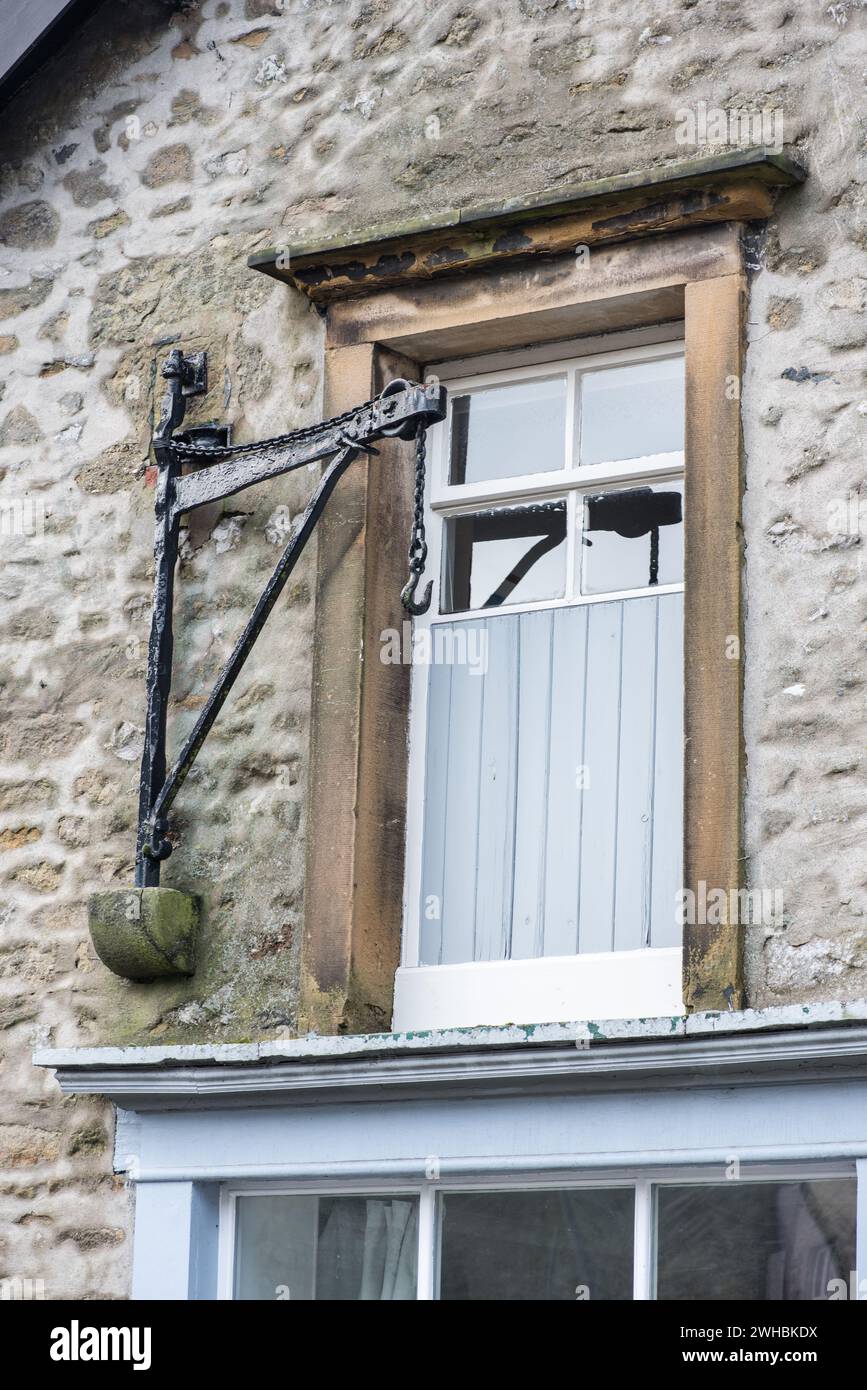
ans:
(145, 927)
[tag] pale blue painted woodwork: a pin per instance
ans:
(554, 785)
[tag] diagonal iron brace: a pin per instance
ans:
(401, 411)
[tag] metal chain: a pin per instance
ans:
(293, 437)
(418, 544)
(417, 541)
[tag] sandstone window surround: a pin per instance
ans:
(665, 247)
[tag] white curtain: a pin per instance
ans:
(390, 1244)
(367, 1250)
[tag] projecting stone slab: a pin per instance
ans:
(145, 933)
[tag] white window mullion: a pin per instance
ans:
(861, 1230)
(226, 1247)
(572, 566)
(572, 418)
(569, 465)
(427, 1254)
(643, 1257)
(574, 463)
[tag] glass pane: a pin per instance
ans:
(329, 1248)
(632, 538)
(529, 1246)
(754, 1241)
(629, 412)
(505, 431)
(505, 555)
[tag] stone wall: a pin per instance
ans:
(139, 170)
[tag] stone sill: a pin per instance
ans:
(735, 185)
(326, 1049)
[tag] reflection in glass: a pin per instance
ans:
(326, 1248)
(505, 555)
(506, 431)
(630, 412)
(530, 1246)
(755, 1241)
(632, 538)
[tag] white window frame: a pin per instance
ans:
(645, 1185)
(621, 984)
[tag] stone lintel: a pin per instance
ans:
(734, 186)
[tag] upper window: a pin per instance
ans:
(504, 431)
(569, 467)
(633, 411)
(546, 728)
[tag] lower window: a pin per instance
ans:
(552, 1246)
(755, 1241)
(671, 1239)
(341, 1249)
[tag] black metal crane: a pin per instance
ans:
(403, 411)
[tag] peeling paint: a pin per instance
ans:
(530, 1035)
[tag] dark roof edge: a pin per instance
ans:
(48, 41)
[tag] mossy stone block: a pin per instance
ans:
(145, 933)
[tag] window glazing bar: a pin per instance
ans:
(643, 1248)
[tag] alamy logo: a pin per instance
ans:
(21, 516)
(735, 907)
(704, 125)
(461, 645)
(76, 1343)
(14, 1289)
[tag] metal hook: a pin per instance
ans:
(407, 595)
(417, 544)
(157, 846)
(348, 443)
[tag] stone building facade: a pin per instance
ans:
(141, 165)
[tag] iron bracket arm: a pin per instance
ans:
(401, 412)
(393, 415)
(299, 535)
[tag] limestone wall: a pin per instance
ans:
(138, 171)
